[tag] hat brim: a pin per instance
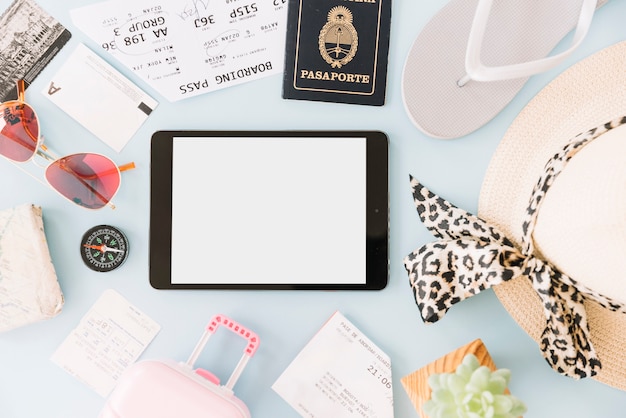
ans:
(588, 94)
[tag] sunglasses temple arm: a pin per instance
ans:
(120, 168)
(21, 88)
(87, 185)
(127, 166)
(19, 167)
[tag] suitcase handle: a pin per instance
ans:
(248, 352)
(253, 339)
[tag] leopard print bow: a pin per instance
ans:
(471, 255)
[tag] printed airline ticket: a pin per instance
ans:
(340, 373)
(109, 338)
(190, 47)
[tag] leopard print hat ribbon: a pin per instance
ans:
(471, 255)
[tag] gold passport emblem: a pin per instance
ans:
(338, 39)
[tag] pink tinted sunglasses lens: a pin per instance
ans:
(19, 131)
(89, 180)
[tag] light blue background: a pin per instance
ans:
(32, 386)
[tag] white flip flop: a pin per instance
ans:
(462, 71)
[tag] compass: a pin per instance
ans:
(104, 248)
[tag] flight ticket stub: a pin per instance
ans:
(109, 338)
(340, 373)
(186, 48)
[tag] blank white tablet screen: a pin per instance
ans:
(268, 210)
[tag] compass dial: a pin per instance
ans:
(104, 248)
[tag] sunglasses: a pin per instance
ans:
(87, 179)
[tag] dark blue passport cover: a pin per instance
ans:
(336, 51)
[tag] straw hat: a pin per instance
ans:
(581, 223)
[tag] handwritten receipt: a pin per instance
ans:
(109, 338)
(190, 47)
(339, 373)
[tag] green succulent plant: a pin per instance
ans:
(472, 391)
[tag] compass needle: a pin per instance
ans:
(104, 248)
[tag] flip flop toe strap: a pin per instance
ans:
(476, 70)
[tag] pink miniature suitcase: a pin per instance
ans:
(166, 389)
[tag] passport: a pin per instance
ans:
(337, 51)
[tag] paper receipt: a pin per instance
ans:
(108, 339)
(339, 373)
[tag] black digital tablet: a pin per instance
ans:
(269, 210)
